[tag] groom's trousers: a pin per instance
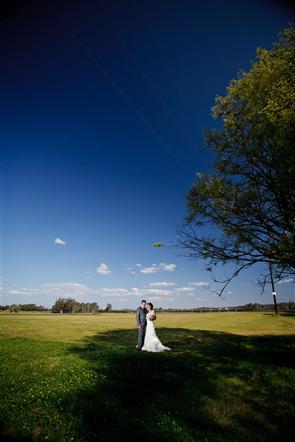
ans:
(141, 335)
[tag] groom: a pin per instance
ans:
(141, 313)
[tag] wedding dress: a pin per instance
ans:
(151, 340)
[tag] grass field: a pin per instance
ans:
(229, 377)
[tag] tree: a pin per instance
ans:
(243, 211)
(58, 306)
(94, 307)
(14, 308)
(108, 308)
(32, 308)
(64, 305)
(70, 305)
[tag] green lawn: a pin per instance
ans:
(229, 377)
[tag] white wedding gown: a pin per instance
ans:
(151, 340)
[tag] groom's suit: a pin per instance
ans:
(141, 323)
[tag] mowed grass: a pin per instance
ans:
(229, 377)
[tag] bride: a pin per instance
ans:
(151, 340)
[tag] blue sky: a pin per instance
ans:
(102, 111)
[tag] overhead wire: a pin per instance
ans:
(123, 94)
(131, 9)
(167, 109)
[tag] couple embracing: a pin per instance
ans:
(147, 338)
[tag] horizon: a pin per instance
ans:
(130, 309)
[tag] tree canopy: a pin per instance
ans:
(70, 305)
(243, 210)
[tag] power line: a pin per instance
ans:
(123, 95)
(161, 98)
(133, 13)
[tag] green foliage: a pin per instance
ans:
(14, 308)
(70, 305)
(32, 308)
(24, 308)
(157, 244)
(108, 308)
(250, 194)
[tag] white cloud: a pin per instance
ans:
(157, 268)
(157, 292)
(59, 241)
(116, 292)
(74, 290)
(138, 265)
(135, 291)
(168, 267)
(66, 288)
(148, 270)
(162, 284)
(200, 284)
(184, 290)
(57, 290)
(119, 292)
(103, 269)
(286, 280)
(20, 292)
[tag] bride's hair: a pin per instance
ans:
(151, 305)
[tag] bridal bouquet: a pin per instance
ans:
(152, 317)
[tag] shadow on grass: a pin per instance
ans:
(12, 437)
(212, 386)
(290, 314)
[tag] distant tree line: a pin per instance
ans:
(256, 307)
(61, 305)
(24, 308)
(70, 305)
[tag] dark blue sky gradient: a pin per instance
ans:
(103, 106)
